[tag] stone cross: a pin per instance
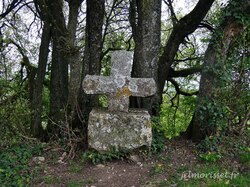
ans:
(119, 86)
(118, 127)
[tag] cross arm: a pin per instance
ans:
(142, 87)
(95, 84)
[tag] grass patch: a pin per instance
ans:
(213, 176)
(203, 174)
(244, 157)
(49, 179)
(75, 183)
(74, 167)
(156, 169)
(241, 180)
(96, 157)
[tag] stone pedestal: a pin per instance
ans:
(119, 130)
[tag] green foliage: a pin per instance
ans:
(14, 169)
(175, 117)
(158, 142)
(226, 108)
(216, 170)
(14, 111)
(242, 181)
(245, 157)
(103, 101)
(244, 154)
(97, 157)
(209, 144)
(213, 115)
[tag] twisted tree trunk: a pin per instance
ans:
(201, 125)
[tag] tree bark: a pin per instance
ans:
(91, 63)
(36, 118)
(59, 69)
(74, 56)
(36, 102)
(146, 33)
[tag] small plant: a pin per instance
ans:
(210, 157)
(96, 157)
(86, 182)
(244, 156)
(158, 168)
(103, 101)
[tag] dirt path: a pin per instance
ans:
(156, 170)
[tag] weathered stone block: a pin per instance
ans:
(118, 130)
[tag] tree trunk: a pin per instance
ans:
(92, 64)
(59, 69)
(36, 118)
(74, 56)
(146, 34)
(202, 125)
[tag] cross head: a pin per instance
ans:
(119, 86)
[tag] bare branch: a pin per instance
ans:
(187, 59)
(171, 8)
(186, 25)
(10, 7)
(179, 91)
(109, 18)
(206, 25)
(24, 4)
(108, 50)
(184, 72)
(25, 60)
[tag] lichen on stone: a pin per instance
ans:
(123, 92)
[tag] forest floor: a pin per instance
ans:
(180, 164)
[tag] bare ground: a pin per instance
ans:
(134, 171)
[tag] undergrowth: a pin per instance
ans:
(97, 157)
(14, 164)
